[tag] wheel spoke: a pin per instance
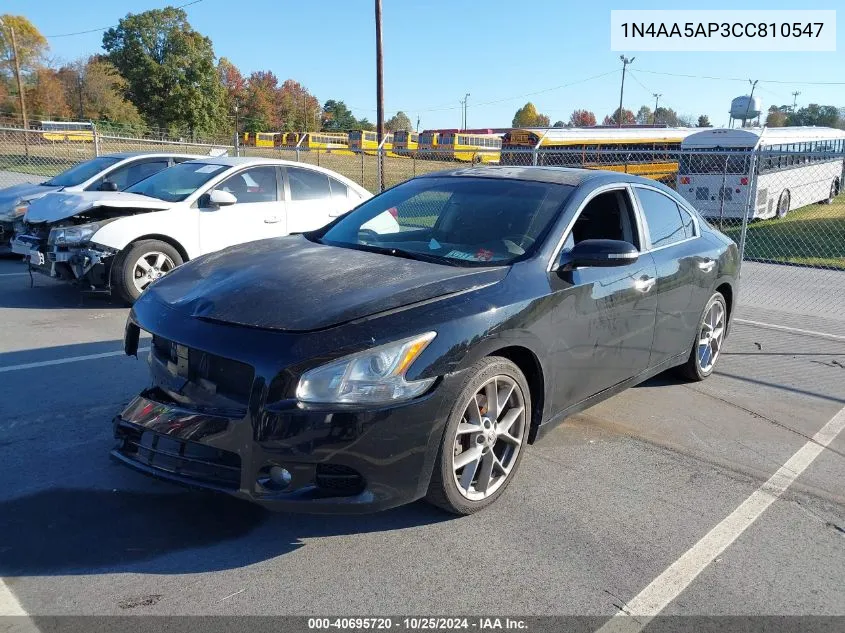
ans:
(464, 428)
(703, 340)
(473, 412)
(467, 457)
(469, 474)
(142, 283)
(510, 439)
(503, 397)
(160, 259)
(492, 393)
(717, 333)
(485, 472)
(508, 419)
(144, 265)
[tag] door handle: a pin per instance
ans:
(272, 219)
(644, 283)
(706, 265)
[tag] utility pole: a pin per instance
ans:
(418, 123)
(795, 100)
(625, 62)
(656, 101)
(20, 86)
(750, 100)
(379, 93)
(464, 103)
(237, 132)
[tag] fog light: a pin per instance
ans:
(274, 478)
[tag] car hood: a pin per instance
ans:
(296, 285)
(60, 205)
(10, 196)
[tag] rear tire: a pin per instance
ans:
(489, 443)
(714, 320)
(139, 264)
(783, 204)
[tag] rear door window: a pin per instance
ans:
(663, 217)
(308, 185)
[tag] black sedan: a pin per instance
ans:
(415, 347)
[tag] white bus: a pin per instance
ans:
(795, 166)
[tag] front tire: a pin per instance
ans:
(140, 264)
(783, 204)
(710, 336)
(484, 439)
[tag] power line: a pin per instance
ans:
(181, 6)
(744, 79)
(633, 74)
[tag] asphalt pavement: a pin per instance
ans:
(602, 507)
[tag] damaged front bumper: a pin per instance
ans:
(88, 264)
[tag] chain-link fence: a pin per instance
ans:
(785, 209)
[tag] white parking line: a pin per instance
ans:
(62, 361)
(638, 611)
(794, 330)
(9, 605)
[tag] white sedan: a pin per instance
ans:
(122, 241)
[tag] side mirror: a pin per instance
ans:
(108, 185)
(218, 198)
(604, 253)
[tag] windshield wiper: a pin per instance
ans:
(400, 252)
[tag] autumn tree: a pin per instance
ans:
(31, 45)
(94, 90)
(260, 107)
(46, 95)
(233, 82)
(169, 69)
(582, 118)
(776, 116)
(628, 118)
(527, 116)
(298, 109)
(704, 121)
(399, 121)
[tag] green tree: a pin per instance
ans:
(527, 116)
(628, 118)
(704, 121)
(582, 118)
(364, 124)
(169, 70)
(666, 116)
(644, 116)
(31, 45)
(559, 124)
(815, 114)
(337, 117)
(399, 121)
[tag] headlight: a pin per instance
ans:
(16, 210)
(374, 376)
(68, 235)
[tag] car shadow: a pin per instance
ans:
(67, 531)
(19, 292)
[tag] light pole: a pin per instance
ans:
(20, 86)
(750, 100)
(237, 132)
(466, 96)
(656, 101)
(379, 95)
(625, 62)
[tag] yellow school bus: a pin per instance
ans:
(367, 142)
(405, 143)
(67, 131)
(428, 141)
(260, 139)
(469, 147)
(648, 152)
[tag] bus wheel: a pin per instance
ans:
(783, 204)
(834, 191)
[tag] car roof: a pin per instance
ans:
(152, 154)
(557, 175)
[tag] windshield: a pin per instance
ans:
(457, 220)
(178, 182)
(78, 174)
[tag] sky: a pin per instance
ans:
(554, 53)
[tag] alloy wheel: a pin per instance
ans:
(149, 267)
(711, 336)
(489, 437)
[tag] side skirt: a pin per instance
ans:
(558, 418)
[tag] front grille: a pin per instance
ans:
(231, 378)
(338, 479)
(702, 193)
(198, 462)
